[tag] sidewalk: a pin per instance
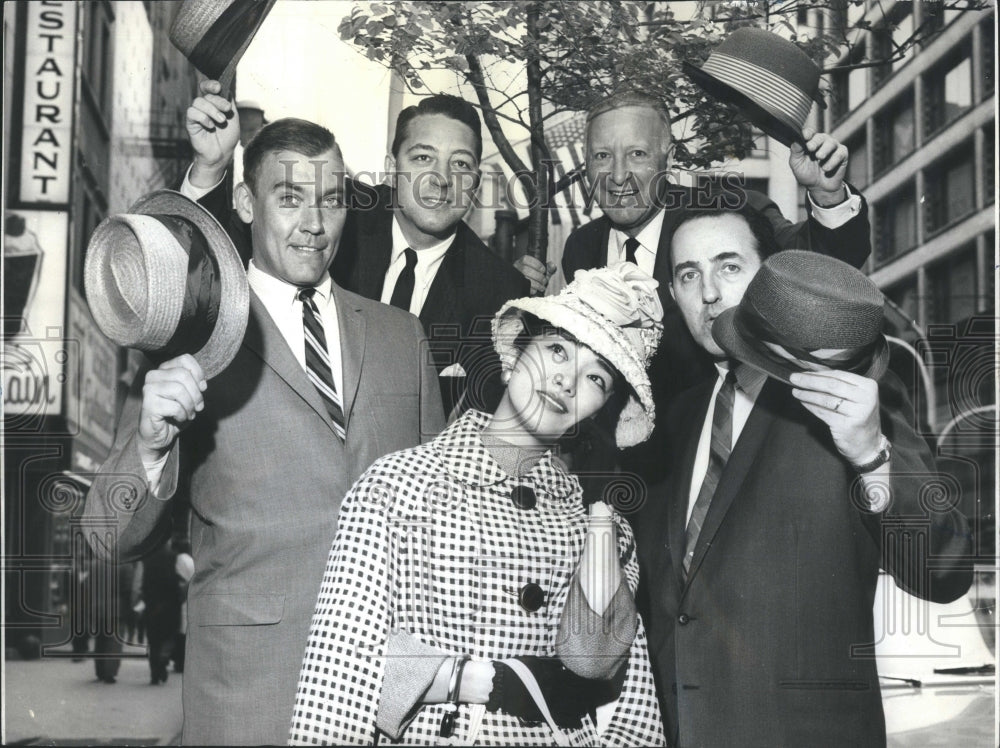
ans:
(55, 701)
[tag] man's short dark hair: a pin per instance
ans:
(450, 106)
(760, 227)
(288, 134)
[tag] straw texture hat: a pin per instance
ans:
(165, 279)
(804, 311)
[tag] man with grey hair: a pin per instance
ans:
(628, 158)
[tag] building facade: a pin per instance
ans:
(94, 101)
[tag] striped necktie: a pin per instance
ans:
(318, 360)
(722, 439)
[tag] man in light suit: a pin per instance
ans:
(628, 160)
(266, 456)
(758, 598)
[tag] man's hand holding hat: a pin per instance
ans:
(820, 167)
(846, 402)
(171, 397)
(213, 126)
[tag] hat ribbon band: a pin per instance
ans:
(764, 337)
(202, 292)
(222, 40)
(771, 91)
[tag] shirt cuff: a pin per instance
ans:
(835, 216)
(154, 471)
(195, 193)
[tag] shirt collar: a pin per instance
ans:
(750, 380)
(648, 238)
(466, 458)
(266, 286)
(424, 256)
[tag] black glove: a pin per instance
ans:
(568, 695)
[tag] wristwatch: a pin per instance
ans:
(882, 457)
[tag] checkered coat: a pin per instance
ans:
(429, 543)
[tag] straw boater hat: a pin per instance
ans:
(617, 313)
(805, 311)
(772, 81)
(214, 34)
(165, 279)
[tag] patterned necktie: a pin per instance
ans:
(722, 438)
(402, 294)
(318, 360)
(631, 245)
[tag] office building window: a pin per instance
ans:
(952, 288)
(948, 90)
(951, 189)
(756, 184)
(989, 82)
(904, 295)
(895, 225)
(857, 164)
(894, 132)
(891, 43)
(989, 163)
(850, 86)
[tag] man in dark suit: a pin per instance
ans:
(323, 383)
(761, 552)
(405, 243)
(628, 156)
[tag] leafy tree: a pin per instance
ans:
(575, 53)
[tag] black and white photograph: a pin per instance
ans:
(501, 373)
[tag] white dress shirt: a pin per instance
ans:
(428, 262)
(645, 253)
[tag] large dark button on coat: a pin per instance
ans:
(531, 597)
(524, 497)
(683, 619)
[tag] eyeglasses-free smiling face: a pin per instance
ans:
(296, 211)
(628, 154)
(435, 175)
(715, 258)
(555, 383)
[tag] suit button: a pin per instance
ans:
(683, 619)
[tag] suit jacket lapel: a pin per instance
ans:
(352, 325)
(265, 339)
(740, 461)
(446, 288)
(677, 518)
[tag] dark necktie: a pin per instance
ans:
(318, 360)
(631, 245)
(722, 438)
(402, 294)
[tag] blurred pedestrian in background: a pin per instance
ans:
(161, 592)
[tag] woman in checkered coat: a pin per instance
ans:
(470, 596)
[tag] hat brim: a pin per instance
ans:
(234, 303)
(635, 423)
(736, 346)
(783, 130)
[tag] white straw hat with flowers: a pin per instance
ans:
(615, 311)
